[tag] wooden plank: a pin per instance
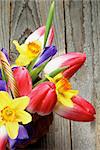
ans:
(26, 16)
(4, 23)
(96, 64)
(79, 38)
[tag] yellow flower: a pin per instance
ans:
(12, 112)
(27, 52)
(63, 89)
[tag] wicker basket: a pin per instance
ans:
(36, 129)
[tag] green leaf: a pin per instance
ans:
(3, 75)
(29, 67)
(49, 22)
(52, 74)
(34, 73)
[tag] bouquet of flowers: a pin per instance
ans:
(35, 86)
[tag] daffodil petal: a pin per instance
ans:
(5, 99)
(23, 60)
(12, 129)
(20, 103)
(1, 123)
(20, 48)
(23, 116)
(65, 101)
(70, 93)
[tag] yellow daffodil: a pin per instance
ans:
(27, 52)
(12, 112)
(63, 89)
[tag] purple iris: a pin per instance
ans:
(0, 75)
(48, 52)
(22, 134)
(6, 54)
(3, 86)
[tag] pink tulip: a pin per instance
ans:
(39, 35)
(82, 110)
(73, 60)
(42, 98)
(3, 138)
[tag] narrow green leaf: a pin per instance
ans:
(49, 22)
(3, 75)
(34, 73)
(29, 67)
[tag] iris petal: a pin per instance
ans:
(22, 134)
(6, 53)
(48, 52)
(3, 86)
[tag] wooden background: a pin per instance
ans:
(77, 28)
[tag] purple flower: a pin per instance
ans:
(48, 52)
(6, 54)
(0, 75)
(21, 136)
(3, 86)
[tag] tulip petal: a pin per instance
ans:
(73, 60)
(84, 103)
(3, 86)
(42, 98)
(79, 112)
(39, 35)
(3, 138)
(23, 79)
(47, 53)
(12, 129)
(35, 35)
(50, 37)
(48, 104)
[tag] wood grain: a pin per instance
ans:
(77, 28)
(4, 23)
(79, 38)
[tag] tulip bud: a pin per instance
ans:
(82, 110)
(43, 98)
(73, 60)
(23, 80)
(39, 35)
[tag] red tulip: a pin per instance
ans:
(42, 98)
(73, 60)
(23, 79)
(82, 110)
(3, 138)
